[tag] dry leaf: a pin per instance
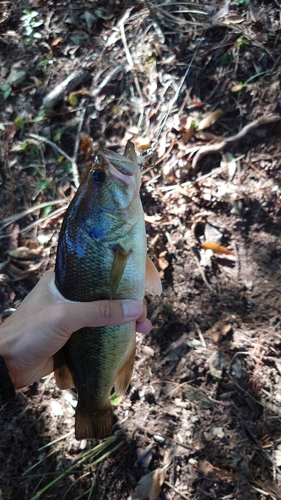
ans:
(218, 362)
(149, 487)
(31, 244)
(56, 42)
(219, 330)
(176, 348)
(212, 233)
(216, 249)
(16, 273)
(86, 145)
(233, 19)
(210, 119)
(208, 136)
(229, 161)
(153, 219)
(214, 473)
(38, 83)
(187, 128)
(162, 262)
(237, 88)
(143, 143)
(25, 253)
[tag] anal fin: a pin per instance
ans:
(63, 376)
(125, 374)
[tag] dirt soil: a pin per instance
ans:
(196, 86)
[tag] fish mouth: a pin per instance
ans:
(120, 168)
(121, 163)
(117, 175)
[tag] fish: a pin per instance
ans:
(102, 254)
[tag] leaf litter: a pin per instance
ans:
(197, 88)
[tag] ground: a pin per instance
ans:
(196, 86)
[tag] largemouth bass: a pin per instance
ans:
(102, 255)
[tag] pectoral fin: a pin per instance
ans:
(153, 282)
(118, 266)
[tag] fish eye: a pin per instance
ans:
(98, 176)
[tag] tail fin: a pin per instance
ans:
(94, 424)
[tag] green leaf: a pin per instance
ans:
(150, 60)
(42, 184)
(6, 94)
(24, 145)
(226, 59)
(44, 238)
(58, 133)
(194, 124)
(19, 122)
(41, 116)
(240, 42)
(115, 400)
(47, 210)
(4, 87)
(67, 167)
(2, 126)
(72, 99)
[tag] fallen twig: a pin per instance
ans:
(55, 213)
(106, 79)
(176, 490)
(16, 217)
(74, 167)
(66, 86)
(219, 146)
(81, 117)
(128, 53)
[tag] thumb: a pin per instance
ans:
(71, 316)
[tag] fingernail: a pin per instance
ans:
(132, 309)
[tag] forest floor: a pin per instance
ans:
(196, 86)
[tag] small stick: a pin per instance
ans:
(55, 213)
(74, 167)
(77, 141)
(177, 491)
(107, 79)
(127, 51)
(219, 146)
(16, 217)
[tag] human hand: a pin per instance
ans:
(44, 322)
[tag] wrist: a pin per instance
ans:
(5, 352)
(7, 390)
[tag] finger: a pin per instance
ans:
(144, 313)
(144, 326)
(70, 317)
